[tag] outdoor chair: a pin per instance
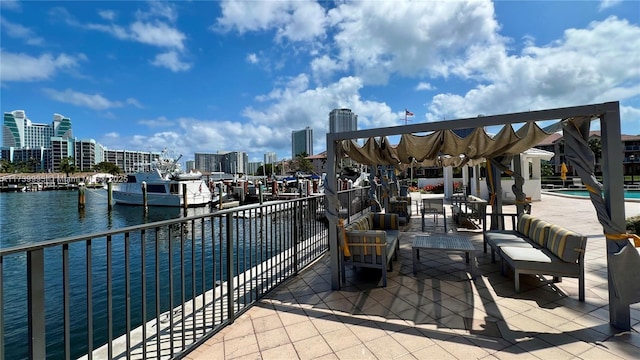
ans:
(577, 183)
(436, 207)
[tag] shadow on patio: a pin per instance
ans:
(438, 313)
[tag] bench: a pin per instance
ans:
(371, 241)
(470, 210)
(538, 247)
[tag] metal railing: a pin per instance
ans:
(157, 290)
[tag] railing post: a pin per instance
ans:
(229, 233)
(35, 304)
(1, 309)
(296, 234)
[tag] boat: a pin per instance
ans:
(165, 185)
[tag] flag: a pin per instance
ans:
(408, 113)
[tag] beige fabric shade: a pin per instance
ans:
(445, 147)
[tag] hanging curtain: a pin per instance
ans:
(624, 260)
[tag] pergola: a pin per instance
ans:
(441, 145)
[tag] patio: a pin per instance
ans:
(440, 313)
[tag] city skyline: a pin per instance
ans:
(241, 76)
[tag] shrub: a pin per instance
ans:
(633, 224)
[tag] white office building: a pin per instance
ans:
(341, 120)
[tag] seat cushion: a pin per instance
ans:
(381, 221)
(565, 244)
(540, 261)
(524, 223)
(538, 231)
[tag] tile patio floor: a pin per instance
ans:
(440, 313)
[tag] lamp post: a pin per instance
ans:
(632, 158)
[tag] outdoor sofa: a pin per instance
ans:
(538, 247)
(370, 241)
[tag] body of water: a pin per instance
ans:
(31, 217)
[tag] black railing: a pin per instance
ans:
(156, 290)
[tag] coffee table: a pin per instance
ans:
(446, 243)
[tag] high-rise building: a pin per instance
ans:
(19, 132)
(230, 162)
(341, 120)
(270, 158)
(302, 142)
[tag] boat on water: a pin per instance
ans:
(165, 186)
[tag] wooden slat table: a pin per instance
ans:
(446, 243)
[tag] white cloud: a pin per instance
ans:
(585, 66)
(252, 58)
(157, 34)
(606, 4)
(23, 67)
(19, 31)
(161, 121)
(291, 19)
(171, 60)
(92, 101)
(422, 86)
(158, 9)
(11, 5)
(134, 102)
(107, 14)
(150, 28)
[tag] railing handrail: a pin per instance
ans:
(147, 226)
(186, 278)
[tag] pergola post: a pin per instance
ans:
(332, 183)
(613, 181)
(447, 173)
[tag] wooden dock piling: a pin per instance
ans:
(185, 196)
(81, 197)
(109, 195)
(144, 195)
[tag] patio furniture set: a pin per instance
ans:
(534, 246)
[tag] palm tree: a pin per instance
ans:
(596, 147)
(67, 165)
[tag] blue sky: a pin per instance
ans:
(208, 76)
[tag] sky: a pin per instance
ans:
(209, 76)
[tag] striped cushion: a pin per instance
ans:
(538, 231)
(524, 222)
(362, 223)
(565, 244)
(384, 221)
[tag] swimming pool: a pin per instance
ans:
(628, 194)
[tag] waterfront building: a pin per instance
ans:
(131, 161)
(253, 167)
(270, 158)
(230, 162)
(20, 132)
(302, 142)
(341, 120)
(44, 146)
(190, 165)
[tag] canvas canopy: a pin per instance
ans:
(444, 147)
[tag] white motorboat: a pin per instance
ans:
(165, 186)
